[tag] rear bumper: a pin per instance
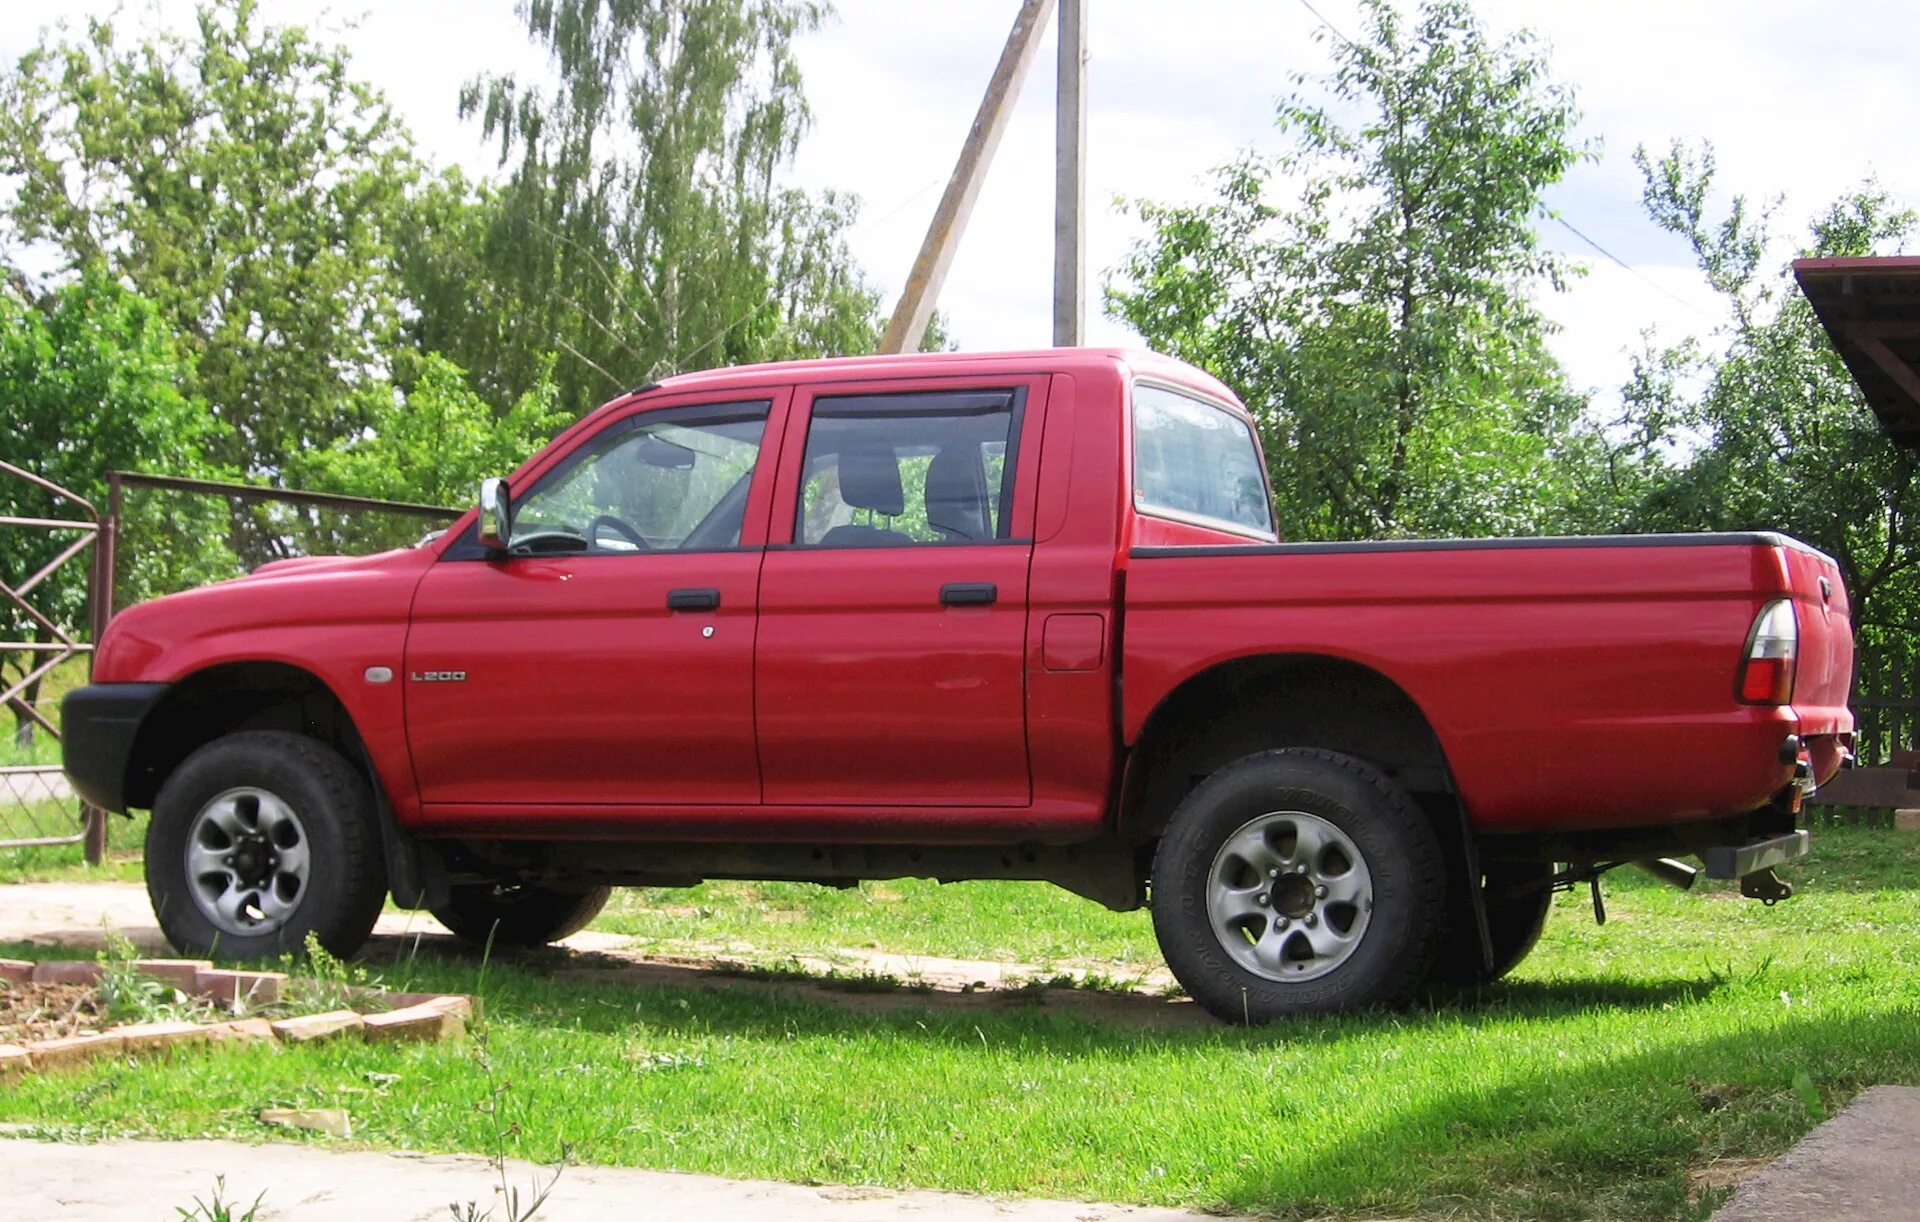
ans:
(98, 724)
(1740, 860)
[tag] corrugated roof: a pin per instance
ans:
(1871, 309)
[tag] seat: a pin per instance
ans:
(957, 494)
(870, 480)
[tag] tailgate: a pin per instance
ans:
(1825, 671)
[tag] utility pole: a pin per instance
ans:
(1070, 180)
(909, 323)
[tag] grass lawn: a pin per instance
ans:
(1691, 1030)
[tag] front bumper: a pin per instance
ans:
(98, 725)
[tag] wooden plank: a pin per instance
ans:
(1889, 787)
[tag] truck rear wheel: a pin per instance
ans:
(1518, 899)
(519, 914)
(1298, 882)
(260, 839)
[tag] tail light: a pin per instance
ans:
(1773, 647)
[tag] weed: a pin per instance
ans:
(129, 996)
(219, 1209)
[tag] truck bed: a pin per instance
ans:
(1573, 683)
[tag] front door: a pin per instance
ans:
(607, 659)
(890, 658)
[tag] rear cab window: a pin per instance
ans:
(1195, 461)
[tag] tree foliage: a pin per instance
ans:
(640, 229)
(433, 443)
(1379, 323)
(243, 182)
(1764, 428)
(89, 382)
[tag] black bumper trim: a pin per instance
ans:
(97, 728)
(1740, 860)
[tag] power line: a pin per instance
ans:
(1636, 272)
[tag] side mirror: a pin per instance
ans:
(496, 515)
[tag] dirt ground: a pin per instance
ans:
(79, 915)
(48, 1011)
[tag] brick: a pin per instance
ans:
(73, 1050)
(14, 1061)
(235, 988)
(453, 1003)
(426, 1022)
(66, 971)
(310, 1027)
(160, 1037)
(241, 1031)
(1906, 820)
(182, 974)
(16, 971)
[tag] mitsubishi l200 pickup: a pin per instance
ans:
(1011, 616)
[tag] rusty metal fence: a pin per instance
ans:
(160, 534)
(36, 807)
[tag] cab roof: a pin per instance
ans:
(933, 364)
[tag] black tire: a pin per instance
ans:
(1401, 861)
(519, 915)
(345, 876)
(1518, 900)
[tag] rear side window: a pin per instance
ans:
(1197, 462)
(905, 469)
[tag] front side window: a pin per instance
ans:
(1194, 460)
(674, 480)
(898, 470)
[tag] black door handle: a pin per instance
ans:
(969, 593)
(693, 600)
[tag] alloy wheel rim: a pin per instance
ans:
(1289, 896)
(247, 861)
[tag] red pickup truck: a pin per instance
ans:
(1016, 616)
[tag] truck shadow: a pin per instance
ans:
(1659, 1133)
(869, 996)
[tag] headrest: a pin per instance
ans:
(870, 479)
(957, 492)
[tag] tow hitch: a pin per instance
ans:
(1752, 863)
(1766, 886)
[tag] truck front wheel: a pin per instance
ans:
(1298, 882)
(260, 839)
(520, 914)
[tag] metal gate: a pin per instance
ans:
(34, 797)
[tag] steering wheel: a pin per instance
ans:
(619, 528)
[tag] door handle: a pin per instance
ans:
(968, 594)
(693, 600)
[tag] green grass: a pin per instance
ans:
(67, 862)
(35, 820)
(1587, 1086)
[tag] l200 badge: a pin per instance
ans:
(439, 676)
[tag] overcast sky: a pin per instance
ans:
(1798, 98)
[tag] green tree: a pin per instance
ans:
(1366, 291)
(433, 443)
(640, 230)
(89, 379)
(242, 181)
(1762, 427)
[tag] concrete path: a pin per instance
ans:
(1863, 1165)
(116, 1181)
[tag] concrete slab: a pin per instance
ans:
(1859, 1166)
(120, 1180)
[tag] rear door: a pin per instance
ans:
(890, 660)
